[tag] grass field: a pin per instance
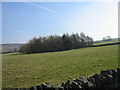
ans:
(57, 67)
(106, 42)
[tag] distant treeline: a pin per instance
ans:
(56, 43)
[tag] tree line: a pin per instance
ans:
(54, 43)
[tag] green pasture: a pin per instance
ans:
(26, 70)
(106, 42)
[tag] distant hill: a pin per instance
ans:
(116, 39)
(113, 39)
(9, 47)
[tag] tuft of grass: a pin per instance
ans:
(32, 69)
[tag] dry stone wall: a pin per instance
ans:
(105, 79)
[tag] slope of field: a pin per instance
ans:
(105, 42)
(57, 67)
(113, 40)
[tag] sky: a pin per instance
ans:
(21, 21)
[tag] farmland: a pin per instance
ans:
(106, 42)
(25, 70)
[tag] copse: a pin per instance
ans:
(54, 43)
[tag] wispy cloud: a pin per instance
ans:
(44, 8)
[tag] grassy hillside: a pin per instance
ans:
(113, 40)
(57, 67)
(105, 42)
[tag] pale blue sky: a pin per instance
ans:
(21, 21)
